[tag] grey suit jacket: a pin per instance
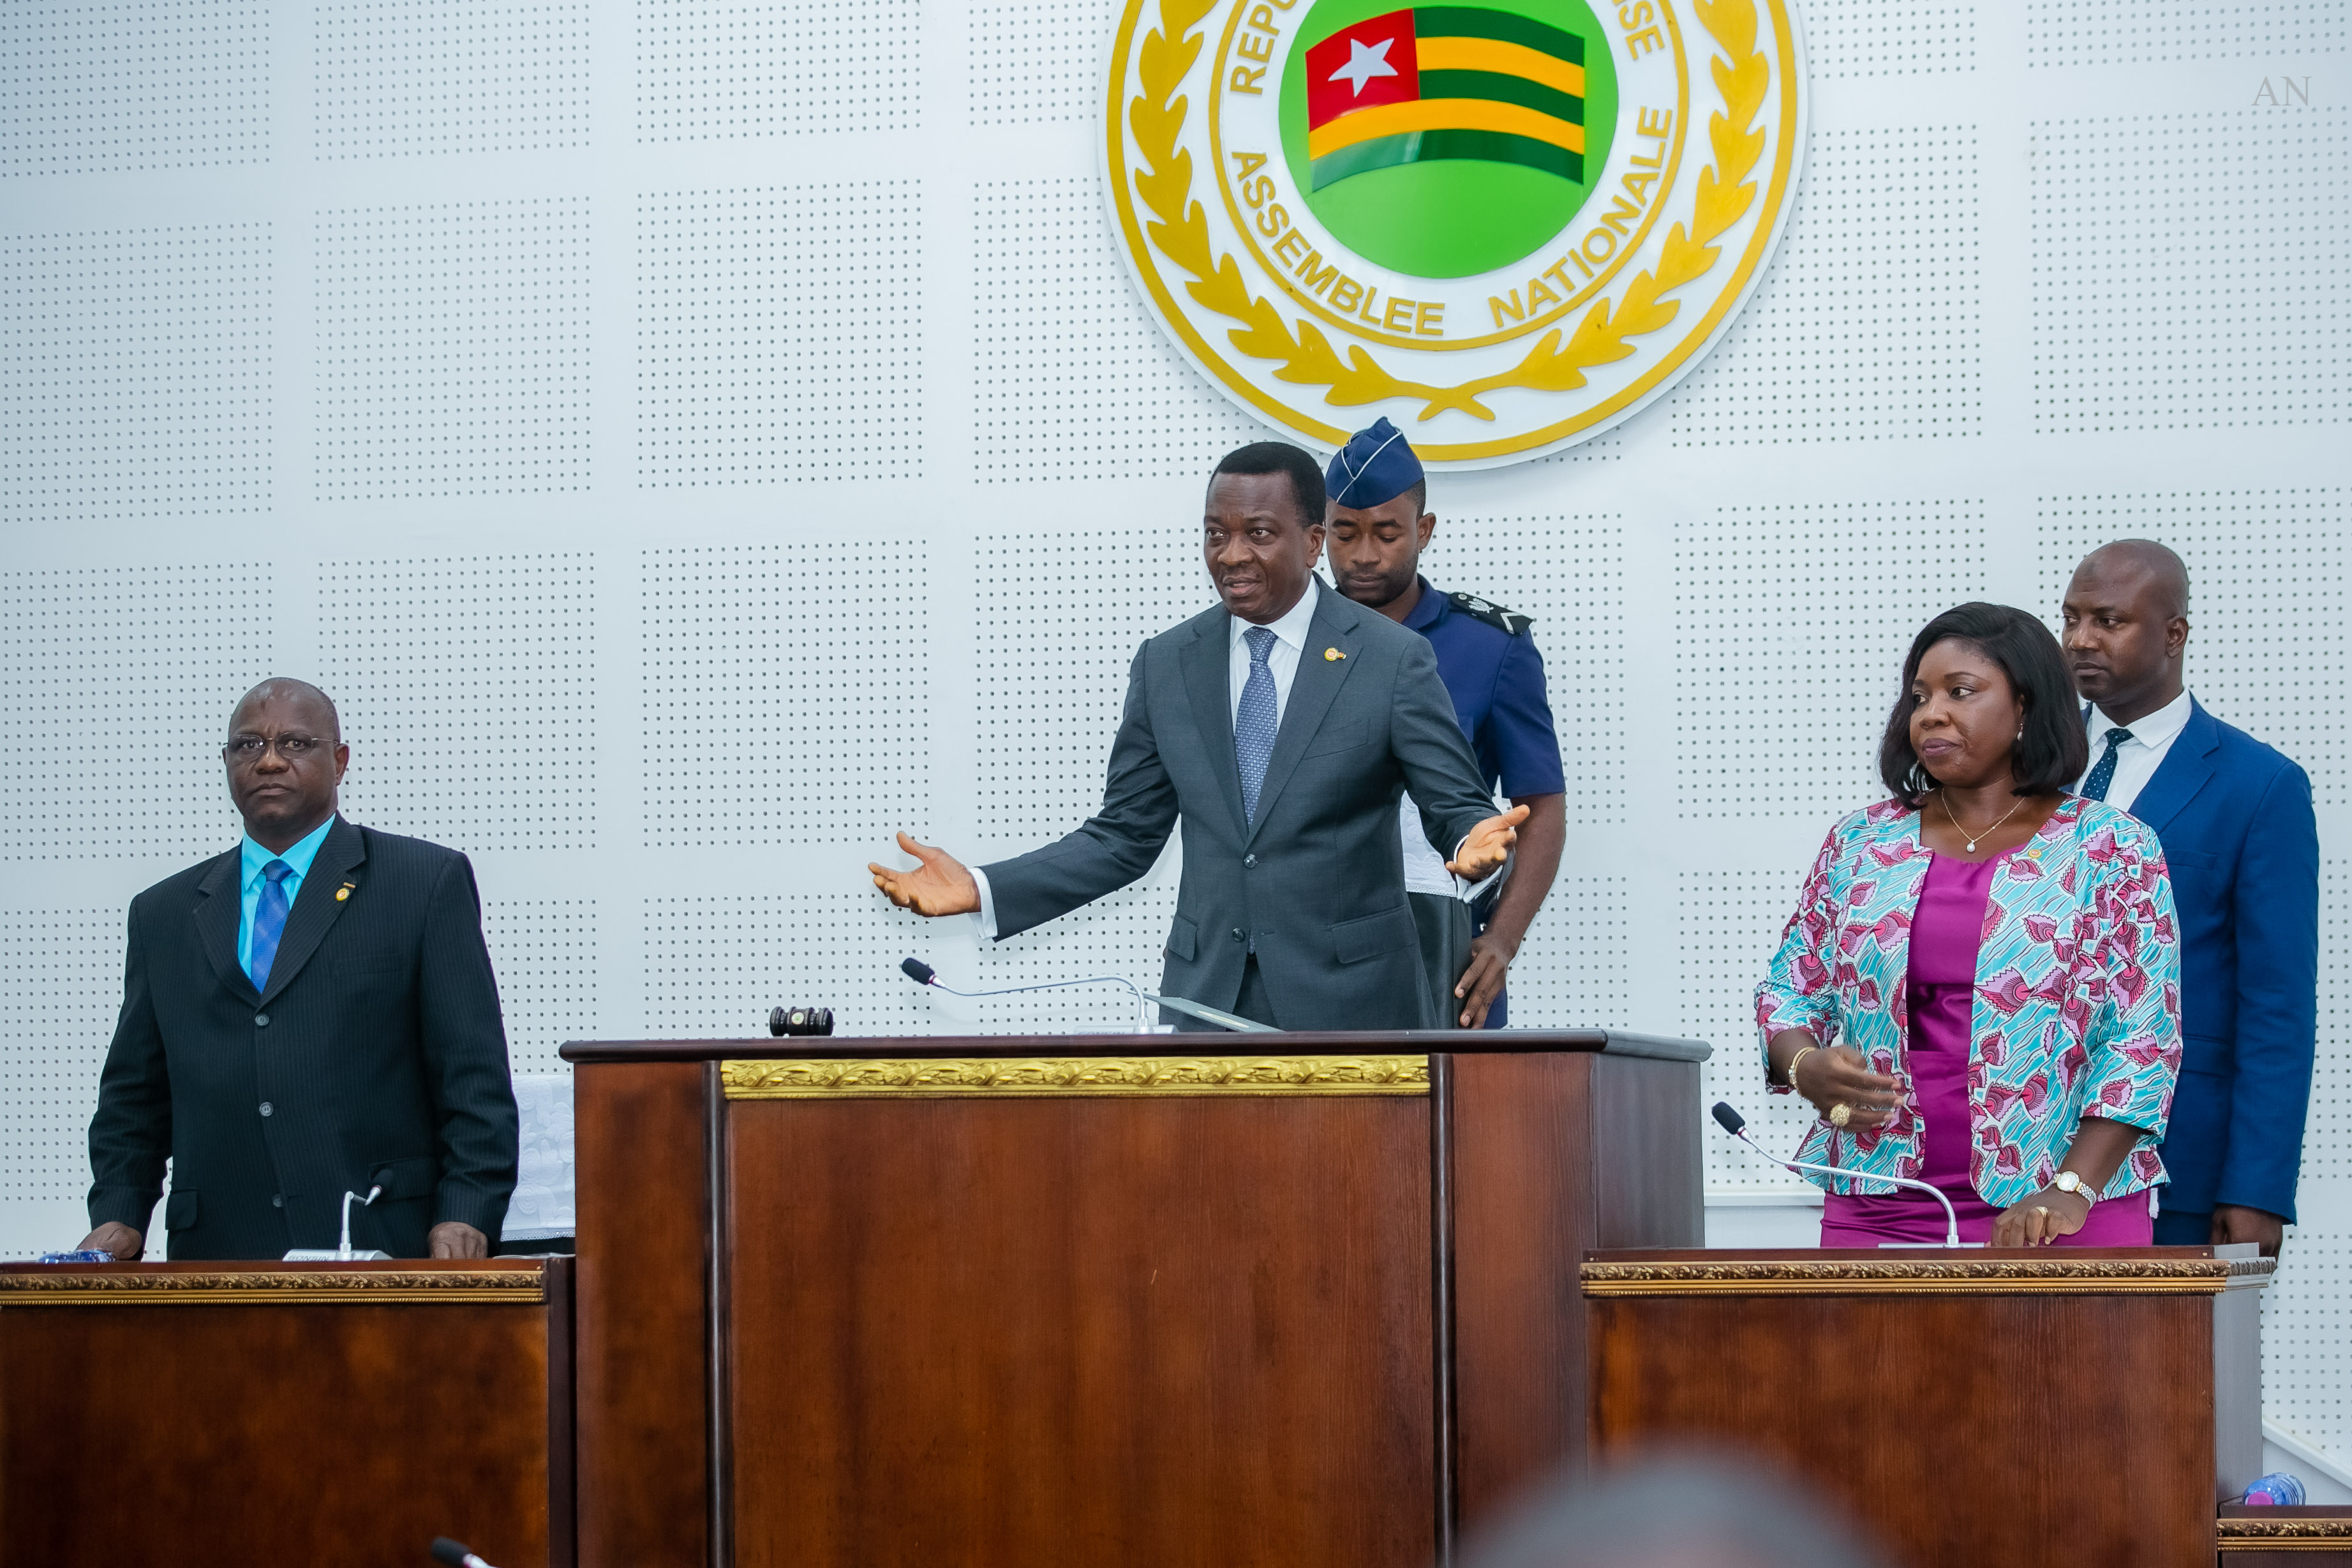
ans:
(1317, 883)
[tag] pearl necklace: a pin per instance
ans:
(1972, 837)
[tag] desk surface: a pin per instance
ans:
(1459, 1042)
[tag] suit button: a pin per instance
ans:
(261, 1020)
(1249, 861)
(267, 1109)
(277, 1200)
(1240, 935)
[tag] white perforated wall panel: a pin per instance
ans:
(695, 438)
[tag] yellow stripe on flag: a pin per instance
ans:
(1503, 60)
(1442, 114)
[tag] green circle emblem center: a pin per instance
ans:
(1444, 140)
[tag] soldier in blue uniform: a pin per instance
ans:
(1378, 525)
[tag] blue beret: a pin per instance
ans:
(1375, 467)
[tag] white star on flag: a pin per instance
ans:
(1364, 64)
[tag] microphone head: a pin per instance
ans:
(1728, 1119)
(373, 1193)
(447, 1550)
(922, 974)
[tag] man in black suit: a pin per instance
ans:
(309, 1013)
(1281, 726)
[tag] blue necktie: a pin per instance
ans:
(269, 922)
(2095, 788)
(1253, 722)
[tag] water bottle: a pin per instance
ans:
(2276, 1489)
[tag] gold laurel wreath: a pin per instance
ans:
(1157, 117)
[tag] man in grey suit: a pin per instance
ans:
(1281, 727)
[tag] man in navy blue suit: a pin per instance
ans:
(2236, 823)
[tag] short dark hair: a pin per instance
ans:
(2052, 752)
(1281, 457)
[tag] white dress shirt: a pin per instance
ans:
(2137, 759)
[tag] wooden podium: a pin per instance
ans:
(2039, 1408)
(1308, 1300)
(343, 1413)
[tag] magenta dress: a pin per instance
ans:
(1945, 933)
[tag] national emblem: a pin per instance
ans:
(1488, 221)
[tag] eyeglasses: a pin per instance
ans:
(291, 747)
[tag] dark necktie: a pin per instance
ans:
(2095, 788)
(269, 922)
(1253, 721)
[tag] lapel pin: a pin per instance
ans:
(1332, 656)
(344, 892)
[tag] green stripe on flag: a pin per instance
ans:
(1505, 26)
(1428, 146)
(1501, 88)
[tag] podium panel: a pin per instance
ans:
(342, 1412)
(2038, 1408)
(1010, 1302)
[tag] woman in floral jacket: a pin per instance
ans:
(2001, 958)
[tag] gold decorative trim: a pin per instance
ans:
(2243, 1534)
(1057, 1077)
(1922, 1277)
(269, 1287)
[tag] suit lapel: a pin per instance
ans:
(316, 907)
(217, 914)
(1208, 681)
(2182, 773)
(1312, 692)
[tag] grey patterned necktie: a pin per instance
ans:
(1254, 722)
(2095, 788)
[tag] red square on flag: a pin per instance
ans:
(1358, 67)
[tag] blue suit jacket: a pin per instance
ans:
(2238, 836)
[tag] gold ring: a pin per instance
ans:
(2041, 1211)
(1841, 1114)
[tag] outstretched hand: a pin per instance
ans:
(1489, 846)
(940, 885)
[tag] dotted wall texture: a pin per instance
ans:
(1125, 935)
(1791, 628)
(715, 966)
(1575, 970)
(453, 350)
(468, 691)
(140, 665)
(1032, 61)
(135, 372)
(393, 76)
(1870, 324)
(1071, 379)
(712, 69)
(2103, 33)
(61, 988)
(2268, 605)
(1569, 575)
(1888, 38)
(779, 334)
(787, 692)
(88, 86)
(2157, 305)
(546, 953)
(1056, 621)
(1727, 925)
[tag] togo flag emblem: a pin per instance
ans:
(1507, 225)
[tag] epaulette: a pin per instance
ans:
(1509, 623)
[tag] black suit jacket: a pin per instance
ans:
(375, 1056)
(1315, 883)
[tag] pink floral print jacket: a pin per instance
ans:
(2077, 1008)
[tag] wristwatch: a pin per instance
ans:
(2067, 1181)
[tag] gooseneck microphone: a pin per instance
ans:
(1733, 1123)
(922, 974)
(454, 1554)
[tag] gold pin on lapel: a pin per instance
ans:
(1332, 656)
(344, 892)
